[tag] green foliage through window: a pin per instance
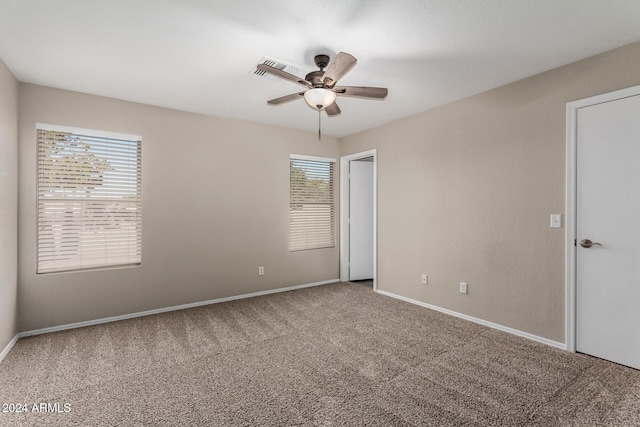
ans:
(311, 204)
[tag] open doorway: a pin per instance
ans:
(358, 239)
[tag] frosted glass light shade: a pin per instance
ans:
(319, 98)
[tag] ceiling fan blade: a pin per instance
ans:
(287, 98)
(341, 65)
(283, 74)
(333, 110)
(362, 91)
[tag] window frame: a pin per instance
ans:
(299, 247)
(135, 172)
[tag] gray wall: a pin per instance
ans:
(465, 192)
(215, 196)
(8, 205)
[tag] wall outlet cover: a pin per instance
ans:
(463, 287)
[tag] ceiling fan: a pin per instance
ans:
(320, 86)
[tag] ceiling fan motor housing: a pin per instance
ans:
(315, 78)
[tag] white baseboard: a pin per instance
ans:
(8, 348)
(163, 310)
(517, 332)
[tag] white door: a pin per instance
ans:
(608, 213)
(361, 220)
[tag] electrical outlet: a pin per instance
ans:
(261, 271)
(424, 279)
(463, 287)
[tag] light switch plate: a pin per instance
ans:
(556, 221)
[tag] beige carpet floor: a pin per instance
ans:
(334, 355)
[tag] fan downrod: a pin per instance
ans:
(321, 61)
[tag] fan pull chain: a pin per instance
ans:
(319, 122)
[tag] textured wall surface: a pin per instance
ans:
(215, 207)
(465, 192)
(8, 205)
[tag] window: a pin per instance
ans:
(311, 203)
(89, 199)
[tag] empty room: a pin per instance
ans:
(336, 213)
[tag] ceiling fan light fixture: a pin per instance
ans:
(319, 98)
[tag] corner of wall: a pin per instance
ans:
(8, 209)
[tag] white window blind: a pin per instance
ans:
(311, 203)
(89, 199)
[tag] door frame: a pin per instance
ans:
(344, 213)
(571, 205)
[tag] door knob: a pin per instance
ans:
(586, 243)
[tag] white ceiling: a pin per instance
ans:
(196, 55)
